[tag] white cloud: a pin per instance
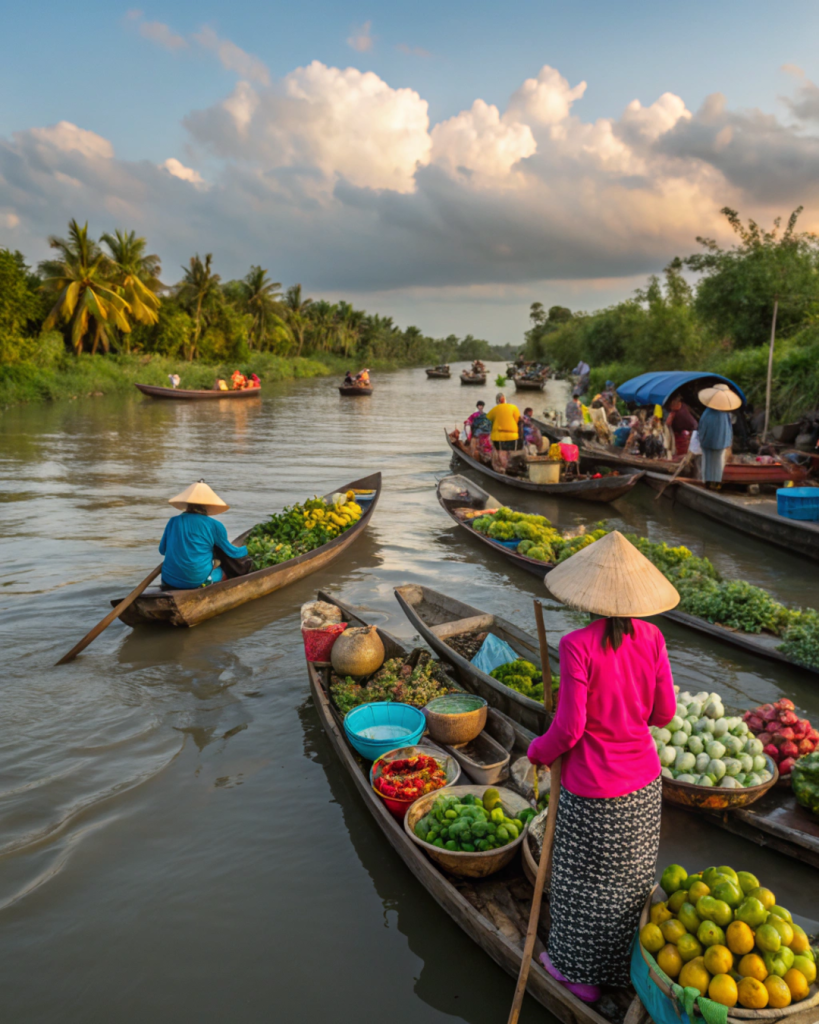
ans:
(324, 124)
(161, 34)
(478, 141)
(546, 99)
(412, 51)
(360, 38)
(179, 170)
(232, 57)
(68, 137)
(333, 177)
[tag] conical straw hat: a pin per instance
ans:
(720, 397)
(200, 494)
(611, 577)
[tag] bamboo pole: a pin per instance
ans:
(544, 867)
(770, 370)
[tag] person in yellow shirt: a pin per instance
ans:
(505, 419)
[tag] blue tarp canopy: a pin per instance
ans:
(656, 388)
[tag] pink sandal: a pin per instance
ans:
(588, 993)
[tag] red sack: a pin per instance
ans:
(569, 452)
(319, 642)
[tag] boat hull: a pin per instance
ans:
(178, 394)
(797, 536)
(438, 375)
(350, 391)
(604, 489)
(190, 607)
(529, 385)
(480, 379)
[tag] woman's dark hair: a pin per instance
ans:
(197, 508)
(616, 628)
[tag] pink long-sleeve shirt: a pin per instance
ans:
(607, 701)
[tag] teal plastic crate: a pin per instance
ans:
(798, 502)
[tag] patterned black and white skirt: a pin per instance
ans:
(603, 868)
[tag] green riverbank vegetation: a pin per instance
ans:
(713, 310)
(96, 317)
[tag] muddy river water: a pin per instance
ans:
(177, 839)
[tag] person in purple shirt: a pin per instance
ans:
(615, 684)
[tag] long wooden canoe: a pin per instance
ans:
(355, 390)
(473, 378)
(190, 607)
(593, 454)
(604, 488)
(480, 906)
(756, 516)
(157, 392)
(776, 820)
(438, 617)
(451, 491)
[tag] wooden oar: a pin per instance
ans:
(685, 460)
(548, 840)
(109, 618)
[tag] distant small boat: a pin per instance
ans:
(473, 378)
(441, 374)
(158, 392)
(530, 383)
(355, 390)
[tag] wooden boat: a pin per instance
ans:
(494, 911)
(355, 390)
(439, 374)
(774, 820)
(190, 607)
(450, 492)
(593, 454)
(529, 383)
(605, 488)
(180, 393)
(473, 378)
(438, 617)
(755, 515)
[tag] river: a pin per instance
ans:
(177, 839)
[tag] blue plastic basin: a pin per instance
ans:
(374, 729)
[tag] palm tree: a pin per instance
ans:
(197, 292)
(81, 278)
(262, 299)
(136, 273)
(296, 314)
(322, 324)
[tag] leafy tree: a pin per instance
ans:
(21, 306)
(135, 274)
(262, 300)
(86, 296)
(296, 314)
(537, 314)
(198, 293)
(740, 286)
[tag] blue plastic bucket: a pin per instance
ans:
(798, 502)
(375, 729)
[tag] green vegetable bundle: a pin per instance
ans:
(464, 825)
(523, 677)
(805, 781)
(397, 681)
(298, 529)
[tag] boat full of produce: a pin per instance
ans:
(289, 545)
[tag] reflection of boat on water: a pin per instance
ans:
(154, 391)
(190, 607)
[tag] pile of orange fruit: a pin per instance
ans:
(723, 933)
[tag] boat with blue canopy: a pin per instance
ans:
(657, 387)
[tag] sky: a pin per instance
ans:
(443, 163)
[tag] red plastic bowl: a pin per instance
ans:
(399, 808)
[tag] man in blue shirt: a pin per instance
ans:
(715, 431)
(192, 541)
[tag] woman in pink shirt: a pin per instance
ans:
(615, 682)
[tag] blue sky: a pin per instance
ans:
(455, 223)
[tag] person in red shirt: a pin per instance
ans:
(615, 684)
(682, 422)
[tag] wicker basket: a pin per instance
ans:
(458, 728)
